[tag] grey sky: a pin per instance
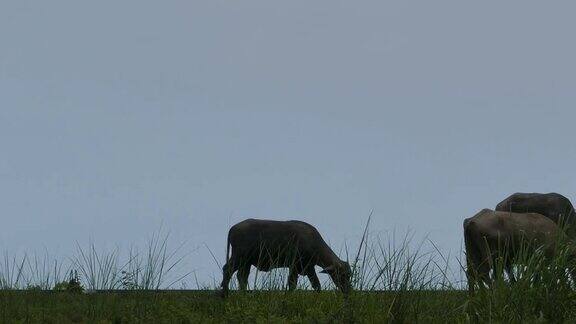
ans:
(118, 115)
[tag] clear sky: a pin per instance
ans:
(116, 116)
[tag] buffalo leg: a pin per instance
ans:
(536, 279)
(243, 273)
(292, 279)
(472, 274)
(227, 272)
(477, 273)
(470, 269)
(510, 272)
(314, 279)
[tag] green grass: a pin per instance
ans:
(440, 306)
(249, 307)
(395, 280)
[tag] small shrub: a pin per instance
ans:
(73, 284)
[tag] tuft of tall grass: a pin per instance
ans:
(12, 271)
(39, 272)
(43, 272)
(541, 287)
(403, 270)
(152, 269)
(99, 270)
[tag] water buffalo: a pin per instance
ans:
(495, 234)
(552, 205)
(268, 244)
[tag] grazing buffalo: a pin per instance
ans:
(268, 244)
(552, 205)
(495, 234)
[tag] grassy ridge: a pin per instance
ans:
(394, 281)
(502, 304)
(207, 306)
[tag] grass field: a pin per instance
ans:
(278, 306)
(394, 281)
(207, 306)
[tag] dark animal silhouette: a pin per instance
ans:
(268, 244)
(495, 234)
(552, 205)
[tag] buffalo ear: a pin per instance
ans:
(328, 269)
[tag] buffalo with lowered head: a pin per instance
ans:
(268, 244)
(552, 205)
(490, 235)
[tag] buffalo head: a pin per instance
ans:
(341, 274)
